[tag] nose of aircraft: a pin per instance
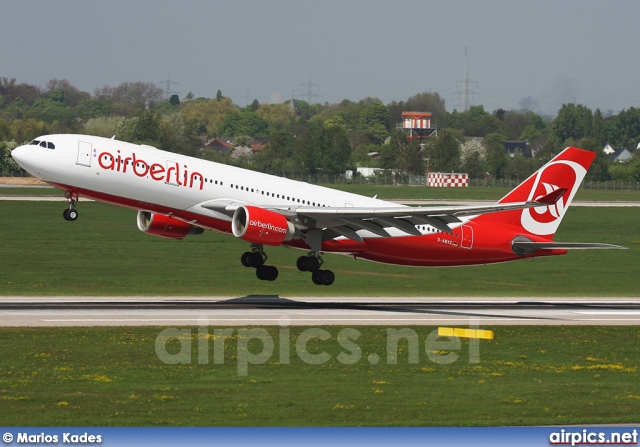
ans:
(18, 154)
(24, 156)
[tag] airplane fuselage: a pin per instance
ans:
(196, 191)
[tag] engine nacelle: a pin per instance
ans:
(165, 226)
(262, 226)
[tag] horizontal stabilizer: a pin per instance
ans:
(528, 247)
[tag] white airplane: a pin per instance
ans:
(176, 196)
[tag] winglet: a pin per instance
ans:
(552, 197)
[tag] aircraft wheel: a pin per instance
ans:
(302, 263)
(313, 263)
(267, 273)
(271, 273)
(327, 277)
(70, 214)
(255, 259)
(245, 258)
(323, 277)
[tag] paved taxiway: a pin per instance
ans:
(312, 311)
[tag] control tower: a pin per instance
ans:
(418, 125)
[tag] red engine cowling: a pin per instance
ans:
(165, 226)
(261, 226)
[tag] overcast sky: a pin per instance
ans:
(547, 52)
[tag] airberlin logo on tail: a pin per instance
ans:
(553, 211)
(544, 220)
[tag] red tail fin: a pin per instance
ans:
(565, 171)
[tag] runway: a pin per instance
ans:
(314, 311)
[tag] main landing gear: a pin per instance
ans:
(71, 213)
(312, 263)
(256, 259)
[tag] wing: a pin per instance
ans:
(346, 221)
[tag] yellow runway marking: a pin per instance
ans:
(465, 333)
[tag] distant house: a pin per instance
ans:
(620, 154)
(514, 146)
(224, 145)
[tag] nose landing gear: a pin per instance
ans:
(71, 213)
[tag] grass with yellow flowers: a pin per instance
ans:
(530, 375)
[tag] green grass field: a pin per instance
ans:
(103, 253)
(113, 376)
(526, 376)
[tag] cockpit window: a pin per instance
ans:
(45, 144)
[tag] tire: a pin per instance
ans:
(245, 258)
(302, 263)
(271, 273)
(315, 277)
(313, 263)
(255, 260)
(327, 277)
(260, 272)
(70, 214)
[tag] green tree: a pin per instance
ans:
(144, 127)
(374, 121)
(254, 106)
(495, 155)
(573, 122)
(333, 147)
(176, 134)
(244, 123)
(390, 152)
(411, 159)
(518, 167)
(444, 155)
(7, 163)
(26, 130)
(208, 113)
(104, 126)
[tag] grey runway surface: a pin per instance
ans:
(313, 311)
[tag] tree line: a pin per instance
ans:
(317, 138)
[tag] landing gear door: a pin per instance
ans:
(84, 153)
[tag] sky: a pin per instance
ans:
(539, 54)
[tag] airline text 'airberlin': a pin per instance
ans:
(156, 171)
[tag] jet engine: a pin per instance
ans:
(165, 226)
(262, 226)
